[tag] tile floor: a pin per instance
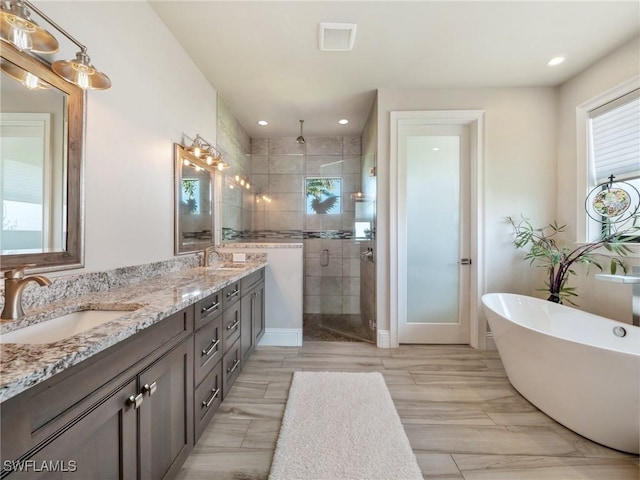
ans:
(334, 328)
(462, 417)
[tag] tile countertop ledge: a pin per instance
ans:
(24, 365)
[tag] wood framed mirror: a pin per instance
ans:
(42, 124)
(194, 202)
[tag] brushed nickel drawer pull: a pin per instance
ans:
(135, 400)
(212, 307)
(234, 293)
(207, 351)
(214, 394)
(233, 325)
(150, 389)
(235, 365)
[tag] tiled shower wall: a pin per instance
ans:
(236, 200)
(279, 167)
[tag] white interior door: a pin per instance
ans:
(433, 234)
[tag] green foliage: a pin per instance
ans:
(544, 251)
(189, 187)
(321, 189)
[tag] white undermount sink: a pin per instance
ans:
(62, 327)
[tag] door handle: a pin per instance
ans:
(465, 261)
(324, 258)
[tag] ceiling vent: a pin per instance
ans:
(337, 37)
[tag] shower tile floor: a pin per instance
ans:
(463, 418)
(334, 328)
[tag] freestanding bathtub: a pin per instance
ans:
(571, 365)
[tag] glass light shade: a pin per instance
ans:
(19, 30)
(80, 72)
(28, 79)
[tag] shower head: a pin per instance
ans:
(300, 139)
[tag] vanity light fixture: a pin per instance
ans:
(242, 182)
(28, 79)
(18, 29)
(205, 152)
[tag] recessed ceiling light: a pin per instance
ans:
(263, 123)
(343, 121)
(555, 61)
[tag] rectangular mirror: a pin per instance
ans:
(194, 225)
(41, 146)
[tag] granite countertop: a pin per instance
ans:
(24, 365)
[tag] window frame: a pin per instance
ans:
(584, 178)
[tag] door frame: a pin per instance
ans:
(474, 119)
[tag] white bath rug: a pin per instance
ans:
(342, 426)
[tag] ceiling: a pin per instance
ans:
(263, 57)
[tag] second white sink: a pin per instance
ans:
(62, 327)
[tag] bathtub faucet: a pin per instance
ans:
(634, 280)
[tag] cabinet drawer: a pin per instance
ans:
(207, 308)
(230, 326)
(230, 294)
(208, 348)
(231, 366)
(250, 280)
(207, 398)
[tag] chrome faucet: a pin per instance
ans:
(208, 252)
(14, 283)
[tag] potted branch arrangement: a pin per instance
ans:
(559, 260)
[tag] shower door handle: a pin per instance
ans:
(324, 258)
(465, 261)
(367, 256)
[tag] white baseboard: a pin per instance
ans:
(384, 339)
(281, 337)
(490, 343)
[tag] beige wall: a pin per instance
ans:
(158, 95)
(609, 299)
(519, 173)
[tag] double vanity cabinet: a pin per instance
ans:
(136, 409)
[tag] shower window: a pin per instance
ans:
(323, 195)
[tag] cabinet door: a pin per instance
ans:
(258, 313)
(246, 323)
(102, 445)
(166, 414)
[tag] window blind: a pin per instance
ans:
(615, 138)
